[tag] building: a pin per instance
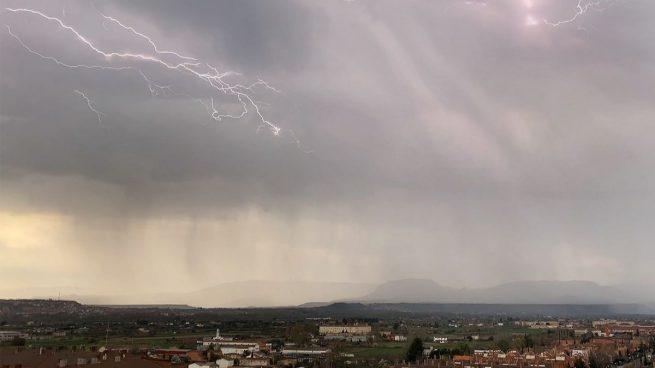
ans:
(629, 328)
(225, 363)
(304, 352)
(215, 340)
(603, 322)
(254, 362)
(238, 347)
(350, 330)
(167, 354)
(541, 324)
(346, 337)
(228, 345)
(28, 358)
(305, 356)
(10, 335)
(582, 353)
(203, 365)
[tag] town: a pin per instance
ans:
(327, 183)
(47, 333)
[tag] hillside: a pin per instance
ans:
(522, 292)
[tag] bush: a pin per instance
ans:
(415, 351)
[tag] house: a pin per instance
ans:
(196, 356)
(304, 352)
(239, 347)
(10, 335)
(27, 358)
(225, 363)
(460, 359)
(350, 330)
(254, 362)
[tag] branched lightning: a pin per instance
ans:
(186, 66)
(532, 20)
(57, 61)
(90, 104)
(148, 39)
(583, 7)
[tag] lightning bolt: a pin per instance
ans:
(57, 61)
(583, 7)
(187, 66)
(531, 20)
(148, 39)
(90, 104)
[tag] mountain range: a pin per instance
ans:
(292, 293)
(520, 292)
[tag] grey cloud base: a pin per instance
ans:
(449, 142)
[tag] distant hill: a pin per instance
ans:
(49, 310)
(147, 306)
(553, 292)
(239, 294)
(523, 310)
(522, 292)
(16, 308)
(412, 291)
(316, 294)
(275, 293)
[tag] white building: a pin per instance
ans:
(304, 352)
(238, 347)
(224, 363)
(351, 330)
(10, 335)
(603, 322)
(203, 365)
(583, 353)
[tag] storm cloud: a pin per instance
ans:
(437, 139)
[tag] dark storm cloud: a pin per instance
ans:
(437, 128)
(252, 35)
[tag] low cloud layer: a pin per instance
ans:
(445, 140)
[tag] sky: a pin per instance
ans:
(468, 142)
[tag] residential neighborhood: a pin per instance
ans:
(330, 336)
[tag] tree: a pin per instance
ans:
(528, 342)
(579, 363)
(586, 337)
(518, 344)
(276, 344)
(415, 351)
(18, 341)
(599, 360)
(465, 349)
(523, 342)
(503, 345)
(299, 334)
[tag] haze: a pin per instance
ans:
(445, 140)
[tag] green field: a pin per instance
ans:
(188, 341)
(385, 350)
